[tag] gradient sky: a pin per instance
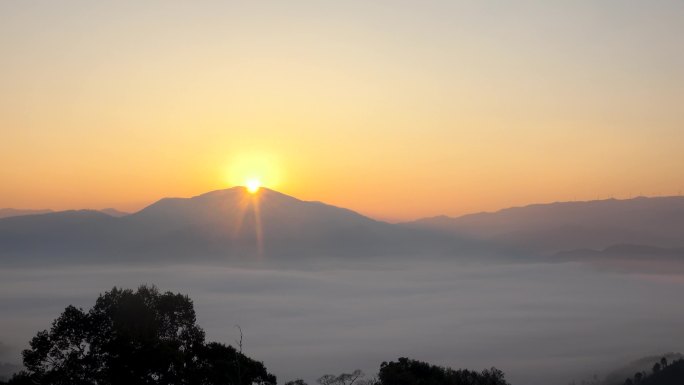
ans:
(395, 109)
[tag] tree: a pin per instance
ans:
(298, 381)
(638, 376)
(143, 337)
(663, 362)
(342, 379)
(412, 372)
(222, 367)
(672, 374)
(656, 367)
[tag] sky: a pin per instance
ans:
(395, 109)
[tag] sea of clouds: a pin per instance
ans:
(540, 323)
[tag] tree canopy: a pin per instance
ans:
(135, 337)
(663, 373)
(353, 378)
(405, 371)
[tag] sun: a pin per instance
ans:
(254, 171)
(253, 185)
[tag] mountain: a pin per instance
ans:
(624, 252)
(59, 233)
(545, 229)
(629, 258)
(114, 212)
(225, 223)
(233, 223)
(9, 212)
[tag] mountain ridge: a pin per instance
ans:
(9, 212)
(220, 223)
(544, 229)
(233, 222)
(539, 205)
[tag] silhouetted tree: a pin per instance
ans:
(342, 379)
(664, 373)
(298, 381)
(411, 372)
(672, 374)
(638, 376)
(220, 367)
(663, 362)
(656, 367)
(143, 337)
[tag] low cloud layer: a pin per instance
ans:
(541, 324)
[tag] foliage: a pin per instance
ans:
(298, 381)
(412, 372)
(664, 373)
(225, 365)
(143, 337)
(355, 377)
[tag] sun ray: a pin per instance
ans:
(250, 204)
(258, 229)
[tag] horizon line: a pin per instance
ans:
(112, 207)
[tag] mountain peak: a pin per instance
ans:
(242, 190)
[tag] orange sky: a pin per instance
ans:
(395, 110)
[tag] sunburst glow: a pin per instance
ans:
(254, 170)
(253, 185)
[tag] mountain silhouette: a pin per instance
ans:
(10, 212)
(218, 224)
(114, 212)
(234, 224)
(545, 229)
(629, 258)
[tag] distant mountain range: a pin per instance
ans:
(546, 229)
(234, 223)
(624, 253)
(218, 224)
(8, 212)
(114, 212)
